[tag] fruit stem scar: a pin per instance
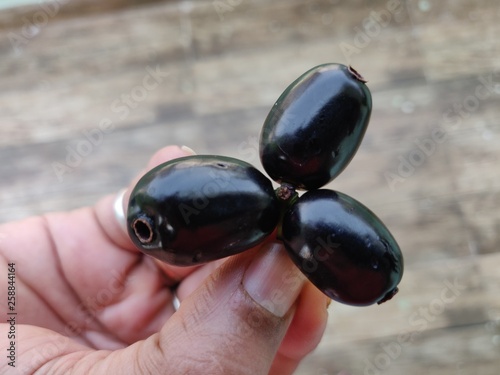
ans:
(143, 229)
(287, 195)
(356, 74)
(285, 192)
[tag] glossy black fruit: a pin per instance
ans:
(201, 208)
(315, 127)
(342, 247)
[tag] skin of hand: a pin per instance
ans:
(88, 302)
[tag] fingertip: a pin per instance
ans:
(169, 153)
(308, 324)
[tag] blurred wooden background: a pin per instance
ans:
(429, 164)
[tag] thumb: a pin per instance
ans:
(234, 323)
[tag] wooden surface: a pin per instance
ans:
(434, 72)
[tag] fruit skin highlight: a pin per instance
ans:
(316, 126)
(342, 247)
(197, 209)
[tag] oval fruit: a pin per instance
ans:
(197, 209)
(342, 247)
(315, 127)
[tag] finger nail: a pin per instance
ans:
(188, 150)
(119, 210)
(273, 281)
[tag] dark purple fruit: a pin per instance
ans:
(197, 209)
(315, 127)
(342, 247)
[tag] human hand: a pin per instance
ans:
(88, 302)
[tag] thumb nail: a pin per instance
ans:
(273, 281)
